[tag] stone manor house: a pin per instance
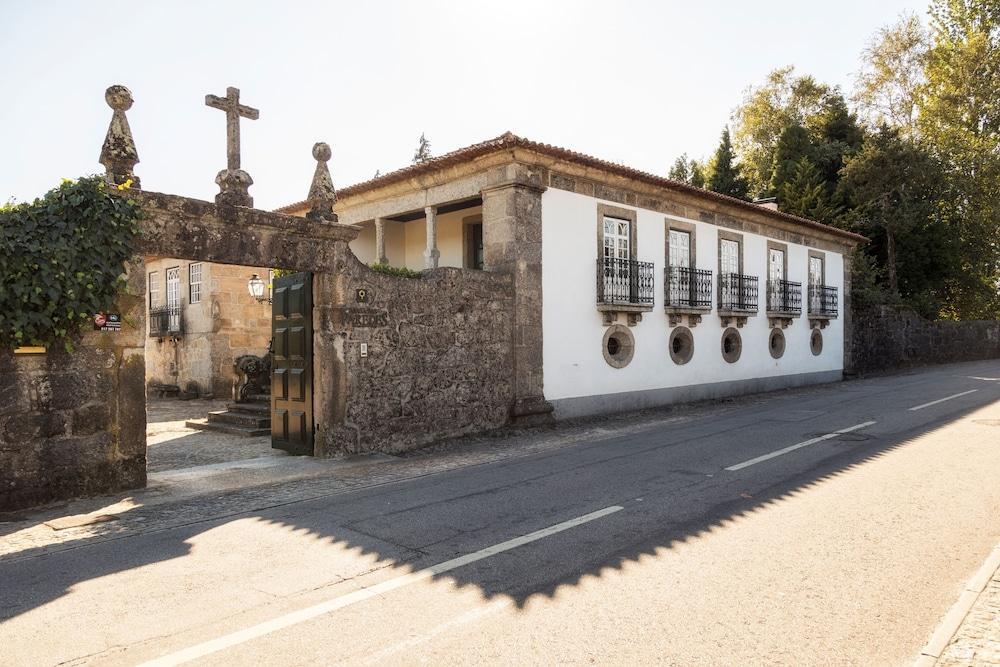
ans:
(630, 290)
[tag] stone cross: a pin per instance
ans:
(233, 181)
(118, 154)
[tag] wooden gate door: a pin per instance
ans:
(291, 364)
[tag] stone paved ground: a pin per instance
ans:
(977, 642)
(172, 445)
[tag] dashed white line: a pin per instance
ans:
(792, 448)
(295, 617)
(942, 400)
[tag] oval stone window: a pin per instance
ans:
(619, 345)
(681, 345)
(732, 345)
(816, 342)
(776, 343)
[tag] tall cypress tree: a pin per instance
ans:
(726, 177)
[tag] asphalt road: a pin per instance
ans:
(824, 526)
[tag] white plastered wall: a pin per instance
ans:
(573, 329)
(405, 242)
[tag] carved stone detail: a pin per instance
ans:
(254, 376)
(118, 154)
(322, 194)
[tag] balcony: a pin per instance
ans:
(687, 292)
(823, 304)
(165, 322)
(624, 286)
(737, 293)
(784, 298)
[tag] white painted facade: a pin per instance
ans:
(573, 328)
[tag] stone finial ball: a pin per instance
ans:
(118, 98)
(321, 151)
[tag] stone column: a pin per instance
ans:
(380, 256)
(432, 254)
(512, 242)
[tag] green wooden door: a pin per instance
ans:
(291, 364)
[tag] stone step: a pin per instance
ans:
(250, 408)
(241, 418)
(232, 429)
(260, 398)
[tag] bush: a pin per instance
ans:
(399, 272)
(62, 259)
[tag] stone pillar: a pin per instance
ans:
(380, 256)
(432, 254)
(512, 242)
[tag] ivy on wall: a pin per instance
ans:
(62, 259)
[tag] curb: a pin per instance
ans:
(951, 622)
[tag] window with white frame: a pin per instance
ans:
(194, 282)
(680, 249)
(729, 256)
(174, 297)
(616, 238)
(154, 289)
(775, 264)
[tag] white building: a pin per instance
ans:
(632, 290)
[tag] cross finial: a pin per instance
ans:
(233, 181)
(322, 195)
(118, 154)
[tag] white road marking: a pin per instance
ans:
(302, 615)
(942, 400)
(792, 448)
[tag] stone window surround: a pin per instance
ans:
(780, 335)
(726, 235)
(626, 348)
(687, 352)
(783, 247)
(736, 349)
(609, 211)
(681, 226)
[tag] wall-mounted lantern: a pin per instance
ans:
(257, 288)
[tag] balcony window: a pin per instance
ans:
(784, 297)
(738, 292)
(823, 299)
(165, 321)
(624, 282)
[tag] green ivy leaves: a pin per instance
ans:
(62, 259)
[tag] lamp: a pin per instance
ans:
(256, 287)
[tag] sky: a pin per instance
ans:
(633, 82)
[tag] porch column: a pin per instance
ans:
(432, 254)
(380, 257)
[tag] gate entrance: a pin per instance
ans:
(291, 364)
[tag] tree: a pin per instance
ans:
(793, 145)
(887, 88)
(959, 118)
(725, 175)
(805, 193)
(423, 152)
(698, 177)
(784, 99)
(680, 170)
(895, 186)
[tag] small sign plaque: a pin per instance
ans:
(362, 295)
(107, 322)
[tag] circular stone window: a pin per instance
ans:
(776, 343)
(816, 342)
(619, 346)
(681, 345)
(732, 345)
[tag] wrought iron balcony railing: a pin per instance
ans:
(737, 292)
(624, 282)
(784, 296)
(165, 321)
(823, 300)
(688, 288)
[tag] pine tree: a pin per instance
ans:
(680, 170)
(725, 175)
(805, 194)
(793, 145)
(423, 152)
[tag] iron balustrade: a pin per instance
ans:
(738, 292)
(784, 296)
(624, 281)
(688, 288)
(165, 321)
(823, 300)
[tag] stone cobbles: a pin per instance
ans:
(977, 641)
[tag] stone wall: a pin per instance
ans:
(438, 364)
(890, 337)
(75, 423)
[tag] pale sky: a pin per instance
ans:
(634, 82)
